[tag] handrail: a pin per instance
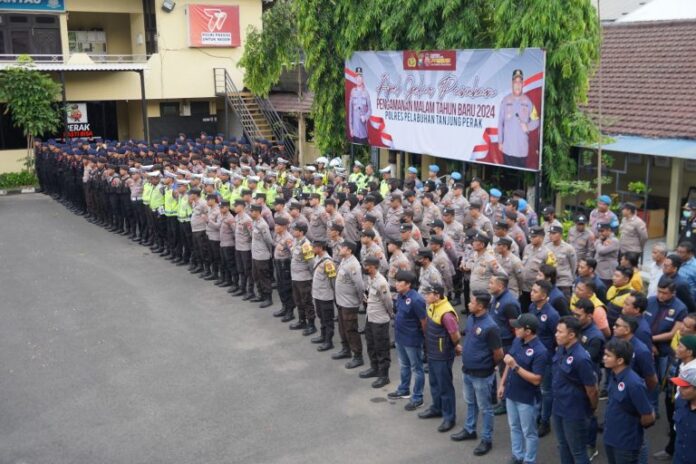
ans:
(277, 126)
(224, 86)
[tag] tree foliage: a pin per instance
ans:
(329, 31)
(267, 53)
(30, 97)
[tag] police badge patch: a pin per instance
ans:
(544, 317)
(671, 312)
(621, 386)
(408, 301)
(569, 360)
(529, 352)
(478, 330)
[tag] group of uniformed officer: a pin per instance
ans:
(336, 244)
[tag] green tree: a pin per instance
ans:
(267, 53)
(30, 97)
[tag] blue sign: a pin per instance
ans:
(57, 6)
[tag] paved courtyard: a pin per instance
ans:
(109, 354)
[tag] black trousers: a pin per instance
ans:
(185, 244)
(200, 248)
(302, 295)
(172, 232)
(377, 340)
(150, 224)
(284, 283)
(261, 272)
(348, 329)
(160, 229)
(325, 311)
(214, 252)
(126, 210)
(525, 301)
(229, 264)
(243, 259)
(115, 208)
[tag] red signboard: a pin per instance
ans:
(432, 60)
(213, 26)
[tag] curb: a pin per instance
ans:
(17, 191)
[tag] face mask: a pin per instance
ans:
(687, 214)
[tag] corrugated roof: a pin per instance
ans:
(671, 148)
(291, 103)
(647, 72)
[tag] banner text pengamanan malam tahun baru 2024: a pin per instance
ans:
(482, 106)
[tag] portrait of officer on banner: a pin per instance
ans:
(359, 110)
(517, 118)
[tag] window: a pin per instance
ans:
(11, 137)
(200, 108)
(19, 41)
(169, 109)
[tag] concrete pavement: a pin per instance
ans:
(109, 354)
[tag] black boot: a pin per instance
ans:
(299, 325)
(368, 373)
(280, 313)
(289, 315)
(310, 329)
(213, 276)
(267, 302)
(238, 292)
(207, 272)
(326, 346)
(381, 381)
(233, 288)
(249, 296)
(258, 299)
(343, 354)
(320, 338)
(357, 361)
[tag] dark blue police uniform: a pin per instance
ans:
(685, 427)
(627, 402)
(503, 308)
(572, 372)
(533, 357)
(548, 317)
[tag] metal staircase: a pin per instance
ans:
(257, 115)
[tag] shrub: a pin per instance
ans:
(17, 179)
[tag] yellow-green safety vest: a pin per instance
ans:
(157, 198)
(147, 193)
(170, 203)
(184, 210)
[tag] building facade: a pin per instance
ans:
(100, 50)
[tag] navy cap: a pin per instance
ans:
(556, 229)
(536, 231)
(581, 219)
(371, 261)
(405, 276)
(437, 223)
(437, 239)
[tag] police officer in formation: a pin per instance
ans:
(406, 253)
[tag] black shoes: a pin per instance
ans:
(310, 329)
(289, 316)
(368, 373)
(266, 303)
(413, 405)
(343, 354)
(446, 426)
(318, 340)
(248, 296)
(429, 414)
(326, 346)
(280, 313)
(483, 448)
(357, 361)
(395, 395)
(380, 382)
(299, 325)
(257, 299)
(463, 435)
(544, 429)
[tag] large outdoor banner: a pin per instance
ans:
(213, 26)
(481, 106)
(57, 6)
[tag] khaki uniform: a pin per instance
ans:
(483, 266)
(533, 258)
(512, 265)
(583, 242)
(443, 264)
(429, 277)
(607, 256)
(483, 224)
(430, 214)
(397, 262)
(566, 263)
(632, 235)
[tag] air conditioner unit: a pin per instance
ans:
(168, 5)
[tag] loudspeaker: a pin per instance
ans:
(168, 5)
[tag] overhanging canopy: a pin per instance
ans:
(671, 148)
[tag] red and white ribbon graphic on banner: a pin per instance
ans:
(378, 124)
(490, 134)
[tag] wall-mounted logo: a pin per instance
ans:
(213, 26)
